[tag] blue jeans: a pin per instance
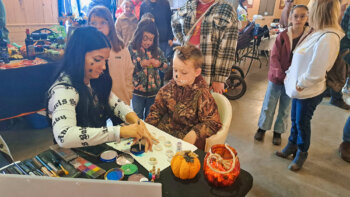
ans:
(302, 112)
(346, 135)
(274, 94)
(141, 105)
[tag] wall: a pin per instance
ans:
(32, 14)
(277, 12)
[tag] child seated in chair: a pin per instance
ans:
(184, 107)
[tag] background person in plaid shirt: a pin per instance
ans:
(216, 35)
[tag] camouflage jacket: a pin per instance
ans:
(178, 110)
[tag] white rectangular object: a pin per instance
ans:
(40, 186)
(163, 161)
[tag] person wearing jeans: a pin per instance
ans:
(301, 115)
(280, 61)
(305, 79)
(275, 93)
(142, 105)
(344, 148)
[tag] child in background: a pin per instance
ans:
(148, 60)
(119, 61)
(126, 23)
(280, 61)
(184, 107)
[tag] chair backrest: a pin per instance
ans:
(224, 107)
(225, 111)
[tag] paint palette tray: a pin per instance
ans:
(86, 167)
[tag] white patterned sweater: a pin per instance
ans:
(63, 100)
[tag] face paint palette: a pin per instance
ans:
(89, 169)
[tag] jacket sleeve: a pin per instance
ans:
(226, 51)
(275, 59)
(67, 134)
(177, 27)
(325, 53)
(157, 110)
(208, 115)
(163, 61)
(118, 28)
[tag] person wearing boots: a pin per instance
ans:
(344, 148)
(280, 60)
(305, 79)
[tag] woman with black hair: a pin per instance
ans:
(80, 100)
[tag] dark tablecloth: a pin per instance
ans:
(174, 187)
(23, 90)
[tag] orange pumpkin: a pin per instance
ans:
(185, 165)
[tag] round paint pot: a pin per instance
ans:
(135, 149)
(114, 174)
(136, 177)
(108, 156)
(124, 159)
(129, 169)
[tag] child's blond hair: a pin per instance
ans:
(190, 52)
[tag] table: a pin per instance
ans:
(173, 187)
(23, 90)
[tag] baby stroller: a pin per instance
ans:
(235, 86)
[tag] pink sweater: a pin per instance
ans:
(121, 69)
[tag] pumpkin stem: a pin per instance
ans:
(189, 156)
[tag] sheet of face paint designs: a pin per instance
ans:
(162, 152)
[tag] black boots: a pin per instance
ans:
(276, 140)
(259, 135)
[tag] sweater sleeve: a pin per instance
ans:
(208, 115)
(226, 51)
(177, 27)
(325, 53)
(119, 108)
(275, 59)
(118, 28)
(67, 133)
(129, 72)
(157, 110)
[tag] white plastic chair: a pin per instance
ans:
(225, 111)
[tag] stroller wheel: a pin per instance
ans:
(236, 70)
(235, 87)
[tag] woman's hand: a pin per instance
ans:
(190, 137)
(138, 131)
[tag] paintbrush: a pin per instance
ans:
(138, 122)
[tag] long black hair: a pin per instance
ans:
(145, 25)
(89, 112)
